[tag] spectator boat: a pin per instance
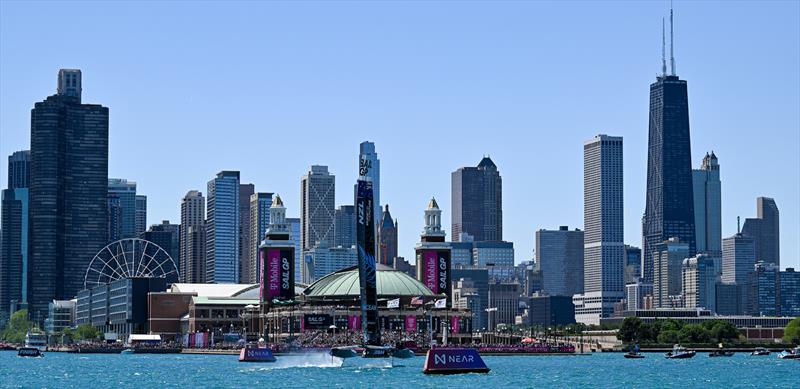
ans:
(679, 352)
(634, 353)
(759, 351)
(794, 354)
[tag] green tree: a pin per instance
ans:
(17, 327)
(694, 333)
(668, 337)
(791, 334)
(87, 332)
(723, 330)
(630, 330)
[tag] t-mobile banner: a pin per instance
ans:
(454, 323)
(437, 270)
(430, 271)
(411, 323)
(261, 275)
(354, 322)
(277, 281)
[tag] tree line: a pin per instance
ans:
(671, 331)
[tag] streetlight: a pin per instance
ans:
(333, 327)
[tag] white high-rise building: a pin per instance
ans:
(317, 207)
(708, 206)
(603, 242)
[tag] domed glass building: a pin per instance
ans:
(343, 287)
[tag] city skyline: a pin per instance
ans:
(133, 155)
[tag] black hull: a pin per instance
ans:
(634, 356)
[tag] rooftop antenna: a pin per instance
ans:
(738, 228)
(663, 50)
(671, 42)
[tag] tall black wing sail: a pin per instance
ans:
(365, 230)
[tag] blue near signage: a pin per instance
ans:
(454, 361)
(256, 354)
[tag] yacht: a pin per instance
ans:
(37, 340)
(760, 351)
(679, 352)
(794, 354)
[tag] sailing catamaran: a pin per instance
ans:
(365, 236)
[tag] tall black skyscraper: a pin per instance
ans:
(19, 171)
(478, 202)
(669, 209)
(68, 192)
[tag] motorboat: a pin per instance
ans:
(720, 352)
(794, 354)
(760, 351)
(128, 351)
(37, 340)
(29, 352)
(679, 352)
(634, 353)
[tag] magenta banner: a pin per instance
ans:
(273, 272)
(454, 324)
(354, 322)
(261, 275)
(411, 323)
(430, 271)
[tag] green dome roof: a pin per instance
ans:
(344, 284)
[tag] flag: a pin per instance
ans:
(441, 303)
(416, 300)
(393, 303)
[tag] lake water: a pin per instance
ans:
(61, 370)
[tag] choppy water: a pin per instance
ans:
(60, 370)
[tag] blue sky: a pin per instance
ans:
(269, 88)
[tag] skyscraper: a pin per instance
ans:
(667, 272)
(122, 208)
(317, 197)
(387, 238)
(260, 204)
(167, 236)
(738, 261)
(477, 195)
(69, 186)
(19, 171)
(603, 237)
(344, 226)
(222, 229)
(14, 234)
(669, 206)
(13, 249)
(245, 270)
(140, 215)
(294, 225)
(192, 267)
(633, 264)
(699, 286)
(765, 231)
(559, 259)
(708, 206)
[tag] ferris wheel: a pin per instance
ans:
(129, 258)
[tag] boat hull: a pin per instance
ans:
(29, 352)
(634, 356)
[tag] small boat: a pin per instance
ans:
(128, 351)
(760, 351)
(29, 352)
(794, 354)
(679, 352)
(721, 352)
(634, 353)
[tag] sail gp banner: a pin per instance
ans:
(436, 268)
(277, 268)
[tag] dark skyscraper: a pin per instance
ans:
(344, 226)
(764, 230)
(19, 171)
(477, 194)
(669, 208)
(68, 192)
(387, 238)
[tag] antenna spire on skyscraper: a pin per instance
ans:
(663, 50)
(671, 43)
